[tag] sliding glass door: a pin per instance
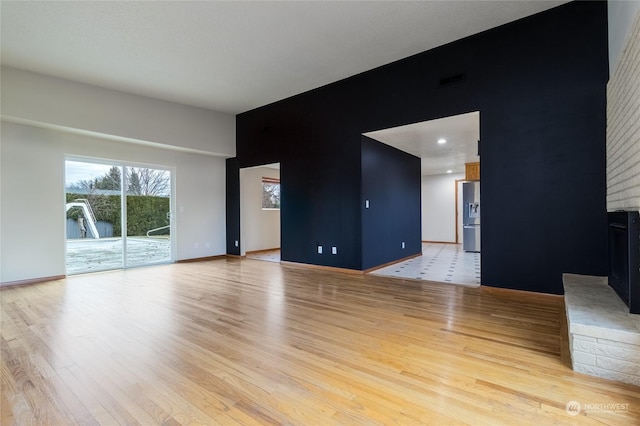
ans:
(118, 215)
(93, 194)
(148, 206)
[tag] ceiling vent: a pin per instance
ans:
(453, 79)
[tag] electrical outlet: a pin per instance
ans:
(366, 204)
(319, 249)
(196, 245)
(236, 243)
(334, 250)
(403, 244)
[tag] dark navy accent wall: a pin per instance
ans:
(540, 86)
(320, 192)
(391, 184)
(232, 200)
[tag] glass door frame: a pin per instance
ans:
(171, 213)
(123, 165)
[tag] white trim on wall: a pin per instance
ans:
(37, 99)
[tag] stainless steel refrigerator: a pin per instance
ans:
(471, 216)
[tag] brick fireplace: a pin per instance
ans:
(604, 338)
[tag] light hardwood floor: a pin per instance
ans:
(250, 342)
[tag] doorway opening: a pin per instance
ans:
(260, 199)
(118, 215)
(445, 146)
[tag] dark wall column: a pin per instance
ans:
(233, 206)
(391, 187)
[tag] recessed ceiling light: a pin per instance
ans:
(449, 171)
(442, 141)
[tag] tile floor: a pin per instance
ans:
(446, 263)
(268, 255)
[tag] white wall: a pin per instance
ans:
(621, 15)
(32, 209)
(438, 207)
(259, 229)
(36, 98)
(46, 118)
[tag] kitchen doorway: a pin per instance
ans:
(444, 146)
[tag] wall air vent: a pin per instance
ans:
(453, 79)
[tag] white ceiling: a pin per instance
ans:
(461, 133)
(233, 56)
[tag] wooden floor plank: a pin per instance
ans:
(233, 341)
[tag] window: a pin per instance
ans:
(270, 193)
